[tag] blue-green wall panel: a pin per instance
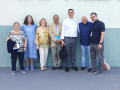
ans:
(111, 51)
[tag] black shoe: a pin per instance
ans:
(53, 68)
(75, 68)
(59, 68)
(67, 69)
(82, 68)
(92, 72)
(89, 69)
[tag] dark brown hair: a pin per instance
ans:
(26, 20)
(70, 9)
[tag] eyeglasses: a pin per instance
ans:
(70, 12)
(92, 17)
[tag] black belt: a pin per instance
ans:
(70, 37)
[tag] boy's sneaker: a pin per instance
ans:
(92, 71)
(27, 68)
(23, 71)
(32, 68)
(13, 72)
(100, 73)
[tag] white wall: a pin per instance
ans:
(15, 10)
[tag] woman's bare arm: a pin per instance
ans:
(7, 38)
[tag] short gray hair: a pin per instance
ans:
(16, 23)
(55, 15)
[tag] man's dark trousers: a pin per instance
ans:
(94, 51)
(70, 45)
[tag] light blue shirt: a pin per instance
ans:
(57, 28)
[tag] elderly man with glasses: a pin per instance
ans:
(55, 32)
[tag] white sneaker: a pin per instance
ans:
(13, 72)
(23, 71)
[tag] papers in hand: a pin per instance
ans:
(18, 46)
(58, 37)
(91, 34)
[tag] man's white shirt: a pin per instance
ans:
(70, 28)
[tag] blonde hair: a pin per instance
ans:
(41, 21)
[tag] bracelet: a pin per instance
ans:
(24, 47)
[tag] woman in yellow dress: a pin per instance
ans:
(42, 42)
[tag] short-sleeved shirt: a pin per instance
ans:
(96, 30)
(18, 38)
(85, 30)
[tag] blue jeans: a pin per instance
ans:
(85, 50)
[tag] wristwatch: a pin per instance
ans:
(100, 43)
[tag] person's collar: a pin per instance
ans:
(71, 18)
(85, 24)
(57, 24)
(96, 21)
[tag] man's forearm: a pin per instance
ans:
(102, 37)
